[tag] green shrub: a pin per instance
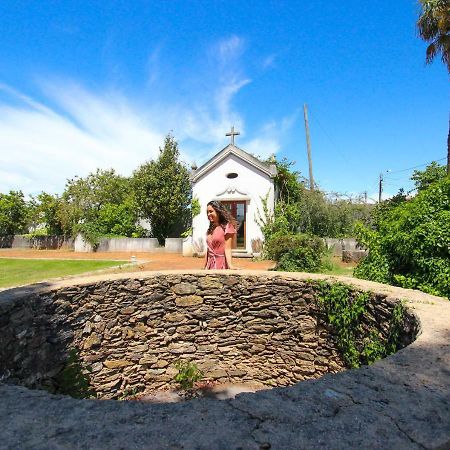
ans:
(409, 245)
(296, 252)
(188, 374)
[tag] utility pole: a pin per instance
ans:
(380, 187)
(308, 147)
(448, 150)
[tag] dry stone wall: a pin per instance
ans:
(131, 332)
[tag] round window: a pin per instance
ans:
(232, 175)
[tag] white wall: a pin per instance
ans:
(250, 185)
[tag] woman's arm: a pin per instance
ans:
(205, 259)
(228, 244)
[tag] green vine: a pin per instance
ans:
(73, 379)
(345, 310)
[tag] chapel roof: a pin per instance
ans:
(231, 149)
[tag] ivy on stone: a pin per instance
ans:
(74, 378)
(346, 312)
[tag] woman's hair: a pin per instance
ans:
(223, 215)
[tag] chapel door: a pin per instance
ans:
(238, 210)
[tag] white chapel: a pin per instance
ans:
(240, 181)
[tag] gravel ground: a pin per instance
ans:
(145, 261)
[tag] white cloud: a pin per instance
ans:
(230, 49)
(226, 92)
(41, 148)
(73, 131)
(262, 147)
(270, 136)
(153, 65)
(269, 62)
(208, 121)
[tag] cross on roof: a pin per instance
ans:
(232, 133)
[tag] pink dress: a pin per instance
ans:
(216, 246)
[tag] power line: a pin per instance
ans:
(415, 167)
(336, 147)
(387, 177)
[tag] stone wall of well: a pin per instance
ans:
(131, 331)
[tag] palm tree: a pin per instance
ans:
(434, 27)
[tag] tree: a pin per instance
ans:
(13, 213)
(91, 206)
(163, 191)
(301, 210)
(409, 243)
(44, 212)
(119, 219)
(434, 27)
(424, 178)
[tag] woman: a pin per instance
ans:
(219, 237)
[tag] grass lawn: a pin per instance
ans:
(16, 272)
(337, 267)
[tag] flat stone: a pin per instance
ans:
(141, 328)
(156, 372)
(114, 377)
(207, 348)
(87, 328)
(93, 340)
(171, 372)
(185, 329)
(140, 348)
(217, 373)
(97, 366)
(303, 356)
(160, 364)
(179, 348)
(209, 282)
(113, 385)
(148, 360)
(117, 363)
(237, 373)
(215, 323)
(184, 288)
(260, 329)
(152, 374)
(175, 317)
(190, 300)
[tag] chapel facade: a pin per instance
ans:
(240, 181)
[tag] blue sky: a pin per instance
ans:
(100, 83)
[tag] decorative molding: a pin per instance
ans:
(231, 190)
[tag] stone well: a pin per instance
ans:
(237, 326)
(131, 332)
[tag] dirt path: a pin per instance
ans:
(145, 261)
